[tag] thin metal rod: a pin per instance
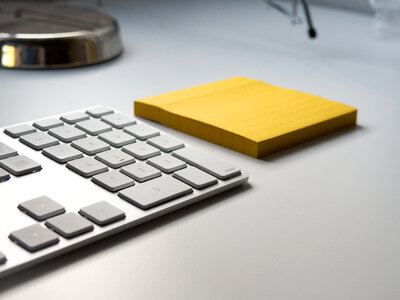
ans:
(311, 30)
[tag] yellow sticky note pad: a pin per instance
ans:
(247, 115)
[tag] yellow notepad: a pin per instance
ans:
(246, 115)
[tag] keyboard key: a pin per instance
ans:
(93, 127)
(34, 237)
(67, 133)
(115, 158)
(4, 175)
(6, 151)
(38, 140)
(19, 130)
(155, 192)
(41, 208)
(48, 123)
(113, 181)
(102, 213)
(165, 143)
(90, 145)
(87, 166)
(20, 165)
(141, 171)
(142, 131)
(69, 225)
(141, 150)
(99, 111)
(117, 138)
(195, 178)
(166, 163)
(118, 120)
(62, 153)
(207, 163)
(73, 118)
(3, 258)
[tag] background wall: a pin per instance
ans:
(355, 5)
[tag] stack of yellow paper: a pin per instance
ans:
(246, 115)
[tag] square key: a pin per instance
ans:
(118, 120)
(87, 166)
(142, 131)
(62, 153)
(93, 126)
(113, 181)
(20, 165)
(117, 138)
(17, 131)
(102, 213)
(41, 208)
(99, 111)
(72, 118)
(69, 225)
(38, 140)
(34, 237)
(90, 145)
(6, 151)
(4, 175)
(141, 150)
(195, 177)
(166, 163)
(67, 133)
(47, 124)
(115, 158)
(166, 143)
(141, 171)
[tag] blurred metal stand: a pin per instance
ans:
(312, 33)
(51, 35)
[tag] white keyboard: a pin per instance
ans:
(74, 178)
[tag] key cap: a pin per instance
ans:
(165, 143)
(69, 225)
(4, 175)
(6, 151)
(117, 138)
(87, 166)
(62, 153)
(19, 130)
(20, 165)
(195, 178)
(38, 140)
(155, 192)
(166, 163)
(115, 158)
(141, 171)
(90, 145)
(41, 208)
(113, 181)
(207, 163)
(99, 111)
(118, 120)
(67, 133)
(34, 237)
(48, 123)
(72, 118)
(142, 131)
(93, 127)
(102, 213)
(141, 150)
(3, 258)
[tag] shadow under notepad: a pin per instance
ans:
(47, 267)
(318, 141)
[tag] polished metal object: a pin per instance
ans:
(53, 36)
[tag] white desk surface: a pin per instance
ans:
(317, 221)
